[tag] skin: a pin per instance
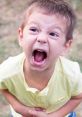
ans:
(50, 37)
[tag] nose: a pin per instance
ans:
(42, 38)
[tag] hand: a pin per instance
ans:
(38, 113)
(33, 112)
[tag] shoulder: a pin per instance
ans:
(72, 74)
(70, 67)
(71, 70)
(10, 66)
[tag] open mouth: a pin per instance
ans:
(39, 55)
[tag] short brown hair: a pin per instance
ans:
(56, 6)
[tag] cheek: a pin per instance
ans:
(29, 38)
(57, 50)
(28, 43)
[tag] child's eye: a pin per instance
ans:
(54, 34)
(33, 29)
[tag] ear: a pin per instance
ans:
(68, 43)
(20, 36)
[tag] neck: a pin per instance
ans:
(37, 79)
(41, 76)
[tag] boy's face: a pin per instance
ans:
(43, 39)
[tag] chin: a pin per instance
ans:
(39, 68)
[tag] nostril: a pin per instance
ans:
(42, 38)
(41, 41)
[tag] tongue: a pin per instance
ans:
(39, 56)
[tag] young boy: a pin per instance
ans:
(40, 82)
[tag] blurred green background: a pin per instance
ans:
(10, 16)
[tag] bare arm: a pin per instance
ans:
(25, 111)
(17, 106)
(68, 107)
(63, 111)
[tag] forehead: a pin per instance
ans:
(44, 18)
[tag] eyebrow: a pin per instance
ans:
(57, 27)
(54, 27)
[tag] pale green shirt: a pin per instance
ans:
(66, 81)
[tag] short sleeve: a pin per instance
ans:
(2, 85)
(9, 68)
(77, 77)
(72, 75)
(3, 75)
(78, 85)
